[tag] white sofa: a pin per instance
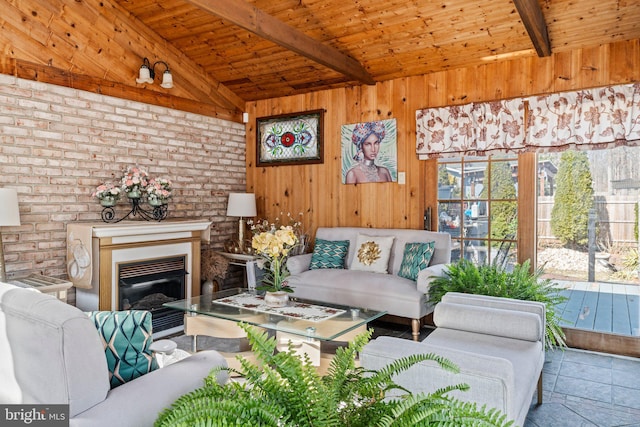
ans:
(51, 353)
(399, 297)
(497, 343)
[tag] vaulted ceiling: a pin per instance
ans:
(223, 53)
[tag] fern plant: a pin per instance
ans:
(466, 277)
(282, 389)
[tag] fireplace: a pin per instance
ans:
(140, 265)
(146, 285)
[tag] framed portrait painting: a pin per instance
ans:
(289, 139)
(369, 152)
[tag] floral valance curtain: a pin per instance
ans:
(470, 129)
(593, 118)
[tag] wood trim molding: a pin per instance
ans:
(104, 297)
(107, 242)
(527, 209)
(602, 342)
(196, 244)
(56, 76)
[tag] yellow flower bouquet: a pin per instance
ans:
(274, 246)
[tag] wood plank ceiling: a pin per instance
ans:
(223, 53)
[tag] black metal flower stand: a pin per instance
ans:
(156, 213)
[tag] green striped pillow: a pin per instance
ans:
(417, 256)
(329, 254)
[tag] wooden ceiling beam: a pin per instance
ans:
(533, 20)
(266, 26)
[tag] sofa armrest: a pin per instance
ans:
(426, 276)
(299, 263)
(491, 379)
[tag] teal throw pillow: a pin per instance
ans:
(329, 254)
(126, 336)
(417, 256)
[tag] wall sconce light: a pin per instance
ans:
(148, 73)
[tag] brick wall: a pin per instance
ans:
(57, 144)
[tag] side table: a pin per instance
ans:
(248, 262)
(48, 285)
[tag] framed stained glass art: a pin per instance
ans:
(288, 139)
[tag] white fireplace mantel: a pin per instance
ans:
(138, 229)
(129, 241)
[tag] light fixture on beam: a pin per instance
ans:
(148, 73)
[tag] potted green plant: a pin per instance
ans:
(283, 389)
(520, 283)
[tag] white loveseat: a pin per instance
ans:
(51, 353)
(398, 296)
(497, 343)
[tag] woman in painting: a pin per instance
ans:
(367, 138)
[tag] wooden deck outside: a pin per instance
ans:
(601, 307)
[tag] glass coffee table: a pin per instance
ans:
(303, 323)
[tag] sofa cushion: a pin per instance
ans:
(490, 377)
(364, 289)
(416, 257)
(526, 359)
(126, 337)
(329, 254)
(138, 403)
(372, 253)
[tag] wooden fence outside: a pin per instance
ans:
(615, 216)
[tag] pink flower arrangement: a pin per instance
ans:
(162, 182)
(106, 190)
(159, 188)
(137, 184)
(135, 179)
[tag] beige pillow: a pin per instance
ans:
(372, 253)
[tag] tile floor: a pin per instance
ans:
(580, 388)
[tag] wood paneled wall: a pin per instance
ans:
(317, 190)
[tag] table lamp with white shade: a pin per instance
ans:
(241, 205)
(9, 217)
